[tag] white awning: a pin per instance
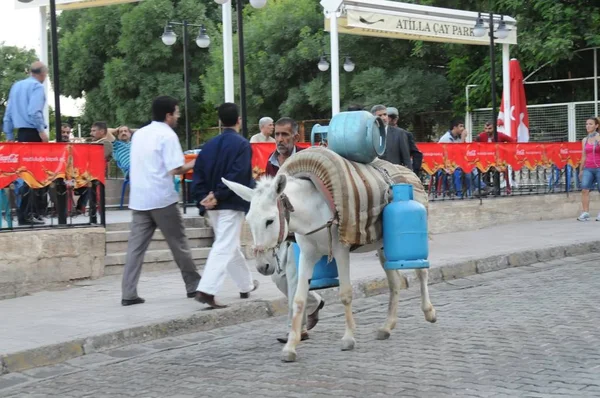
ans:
(71, 4)
(382, 18)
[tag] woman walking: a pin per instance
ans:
(590, 163)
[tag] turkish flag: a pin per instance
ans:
(519, 118)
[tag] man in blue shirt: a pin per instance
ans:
(228, 155)
(25, 112)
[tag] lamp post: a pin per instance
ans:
(241, 56)
(501, 32)
(203, 41)
(323, 64)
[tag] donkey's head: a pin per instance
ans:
(268, 218)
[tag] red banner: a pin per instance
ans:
(469, 156)
(38, 164)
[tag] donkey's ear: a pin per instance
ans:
(240, 190)
(280, 182)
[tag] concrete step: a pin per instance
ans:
(189, 222)
(116, 241)
(154, 260)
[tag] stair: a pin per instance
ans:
(158, 256)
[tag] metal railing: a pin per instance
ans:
(476, 185)
(22, 208)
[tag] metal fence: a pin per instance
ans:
(547, 122)
(476, 185)
(22, 209)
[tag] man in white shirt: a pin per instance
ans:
(156, 156)
(266, 127)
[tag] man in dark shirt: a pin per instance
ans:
(398, 147)
(229, 156)
(286, 278)
(417, 156)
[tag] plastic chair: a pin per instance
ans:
(123, 187)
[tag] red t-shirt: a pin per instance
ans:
(483, 137)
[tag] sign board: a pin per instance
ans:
(69, 4)
(411, 27)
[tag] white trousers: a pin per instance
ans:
(225, 255)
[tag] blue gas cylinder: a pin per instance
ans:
(324, 274)
(357, 136)
(405, 238)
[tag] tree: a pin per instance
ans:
(283, 43)
(14, 66)
(550, 33)
(115, 58)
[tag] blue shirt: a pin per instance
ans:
(122, 154)
(25, 107)
(228, 155)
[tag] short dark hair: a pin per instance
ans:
(162, 106)
(355, 107)
(489, 123)
(228, 114)
(456, 122)
(288, 121)
(65, 125)
(101, 125)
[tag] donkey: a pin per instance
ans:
(287, 204)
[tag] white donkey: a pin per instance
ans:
(286, 204)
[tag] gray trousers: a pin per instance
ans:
(286, 280)
(143, 225)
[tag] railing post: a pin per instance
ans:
(572, 122)
(92, 202)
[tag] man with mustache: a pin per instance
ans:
(286, 137)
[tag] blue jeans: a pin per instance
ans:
(590, 177)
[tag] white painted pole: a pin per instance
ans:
(506, 89)
(43, 54)
(228, 52)
(335, 64)
(596, 82)
(468, 123)
(79, 130)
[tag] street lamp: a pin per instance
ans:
(241, 57)
(169, 37)
(501, 32)
(323, 64)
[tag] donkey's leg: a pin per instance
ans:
(394, 281)
(307, 263)
(342, 258)
(426, 305)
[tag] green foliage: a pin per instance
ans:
(14, 66)
(116, 58)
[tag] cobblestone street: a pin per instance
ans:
(522, 332)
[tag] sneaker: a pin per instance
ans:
(585, 216)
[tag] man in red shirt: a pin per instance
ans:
(488, 135)
(286, 280)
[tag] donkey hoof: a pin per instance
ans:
(383, 334)
(430, 315)
(288, 356)
(348, 344)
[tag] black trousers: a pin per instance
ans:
(33, 201)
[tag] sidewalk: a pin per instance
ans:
(53, 326)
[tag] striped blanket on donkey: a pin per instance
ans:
(359, 192)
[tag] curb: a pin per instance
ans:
(262, 309)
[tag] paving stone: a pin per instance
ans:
(502, 334)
